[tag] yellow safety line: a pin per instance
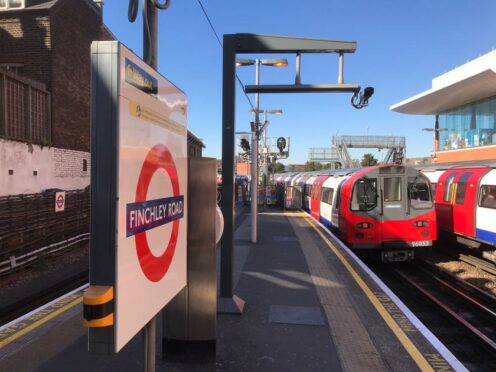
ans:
(402, 337)
(40, 322)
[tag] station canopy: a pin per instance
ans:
(471, 82)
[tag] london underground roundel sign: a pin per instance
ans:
(143, 215)
(152, 205)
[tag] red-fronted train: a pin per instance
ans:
(386, 209)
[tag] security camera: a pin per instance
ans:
(363, 101)
(368, 92)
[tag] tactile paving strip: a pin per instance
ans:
(355, 347)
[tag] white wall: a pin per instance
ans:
(56, 168)
(471, 68)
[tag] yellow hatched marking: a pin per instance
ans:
(40, 322)
(416, 355)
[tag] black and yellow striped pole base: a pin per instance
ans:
(98, 306)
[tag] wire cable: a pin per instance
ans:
(222, 47)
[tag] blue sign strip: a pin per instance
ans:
(147, 215)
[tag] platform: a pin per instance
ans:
(310, 306)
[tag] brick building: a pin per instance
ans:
(45, 93)
(49, 42)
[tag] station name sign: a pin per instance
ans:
(140, 79)
(144, 216)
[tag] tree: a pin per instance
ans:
(277, 168)
(312, 166)
(368, 160)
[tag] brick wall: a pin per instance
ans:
(25, 39)
(27, 168)
(74, 26)
(70, 163)
(54, 47)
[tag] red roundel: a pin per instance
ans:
(154, 268)
(60, 201)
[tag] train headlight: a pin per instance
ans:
(364, 225)
(421, 223)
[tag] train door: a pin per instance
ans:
(464, 201)
(393, 204)
(445, 193)
(316, 196)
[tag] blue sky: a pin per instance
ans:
(401, 46)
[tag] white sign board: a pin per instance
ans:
(151, 192)
(60, 201)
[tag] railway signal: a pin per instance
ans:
(281, 144)
(245, 145)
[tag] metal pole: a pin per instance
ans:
(436, 135)
(150, 56)
(341, 68)
(150, 41)
(265, 169)
(150, 336)
(298, 69)
(228, 139)
(254, 160)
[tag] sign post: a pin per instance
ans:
(138, 198)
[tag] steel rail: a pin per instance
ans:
(488, 341)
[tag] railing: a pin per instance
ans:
(30, 228)
(24, 109)
(371, 141)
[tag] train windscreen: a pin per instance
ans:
(364, 196)
(419, 195)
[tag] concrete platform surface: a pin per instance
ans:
(309, 307)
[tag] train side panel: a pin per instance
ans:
(329, 195)
(486, 209)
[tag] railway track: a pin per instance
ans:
(461, 316)
(482, 264)
(33, 301)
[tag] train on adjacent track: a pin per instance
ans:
(386, 209)
(465, 200)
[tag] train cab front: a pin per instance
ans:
(392, 214)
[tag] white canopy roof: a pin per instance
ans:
(470, 82)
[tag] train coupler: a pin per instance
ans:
(397, 256)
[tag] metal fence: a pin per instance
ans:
(24, 109)
(30, 228)
(371, 141)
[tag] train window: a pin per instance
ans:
(327, 195)
(330, 196)
(448, 187)
(487, 196)
(461, 187)
(418, 193)
(323, 194)
(392, 189)
(364, 195)
(308, 190)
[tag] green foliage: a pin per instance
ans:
(276, 168)
(368, 160)
(312, 166)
